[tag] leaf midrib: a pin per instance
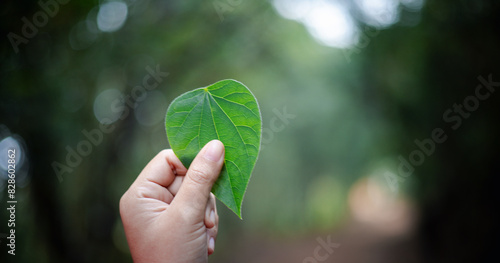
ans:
(239, 134)
(235, 126)
(218, 137)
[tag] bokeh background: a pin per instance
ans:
(345, 89)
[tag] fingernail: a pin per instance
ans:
(212, 216)
(211, 244)
(214, 150)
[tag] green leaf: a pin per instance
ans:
(226, 111)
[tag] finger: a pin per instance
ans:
(210, 212)
(174, 187)
(213, 224)
(201, 175)
(159, 173)
(211, 238)
(154, 191)
(162, 169)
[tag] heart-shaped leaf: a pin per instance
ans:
(226, 111)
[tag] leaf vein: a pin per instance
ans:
(234, 102)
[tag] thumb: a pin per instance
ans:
(200, 177)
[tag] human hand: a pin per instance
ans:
(168, 213)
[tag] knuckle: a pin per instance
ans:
(142, 192)
(199, 176)
(164, 153)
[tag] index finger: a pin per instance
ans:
(162, 169)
